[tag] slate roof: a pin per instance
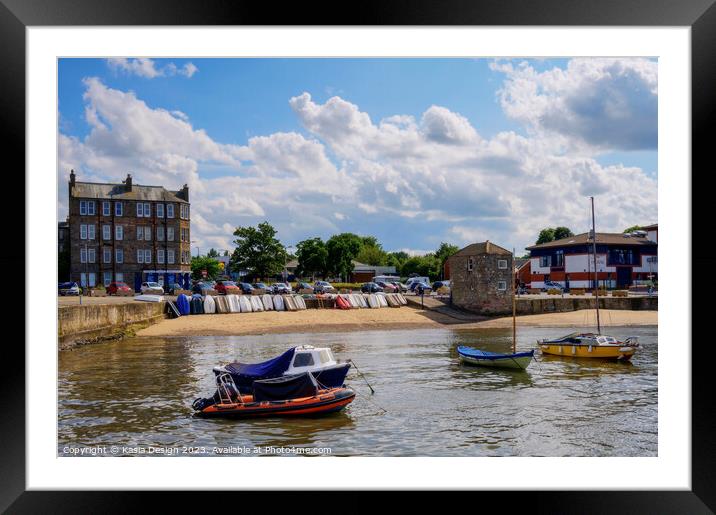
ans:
(604, 238)
(486, 247)
(96, 190)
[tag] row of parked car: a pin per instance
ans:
(232, 287)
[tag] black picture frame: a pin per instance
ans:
(700, 15)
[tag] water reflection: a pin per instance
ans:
(139, 392)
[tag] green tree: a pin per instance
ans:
(424, 266)
(545, 236)
(562, 232)
(209, 264)
(445, 250)
(371, 252)
(258, 251)
(212, 253)
(342, 250)
(312, 257)
(632, 229)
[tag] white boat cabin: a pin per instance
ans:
(307, 358)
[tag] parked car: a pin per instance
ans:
(118, 287)
(402, 288)
(323, 287)
(170, 289)
(440, 284)
(551, 285)
(152, 288)
(371, 288)
(416, 286)
(245, 288)
(68, 289)
(227, 288)
(201, 287)
(280, 288)
(303, 286)
(261, 286)
(387, 287)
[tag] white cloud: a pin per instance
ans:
(418, 182)
(147, 68)
(603, 103)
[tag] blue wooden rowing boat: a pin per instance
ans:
(518, 360)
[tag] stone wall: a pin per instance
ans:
(93, 322)
(527, 306)
(477, 289)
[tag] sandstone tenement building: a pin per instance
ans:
(128, 232)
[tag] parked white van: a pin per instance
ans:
(412, 280)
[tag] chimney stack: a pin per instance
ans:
(184, 193)
(128, 182)
(72, 177)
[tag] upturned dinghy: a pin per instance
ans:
(209, 304)
(286, 396)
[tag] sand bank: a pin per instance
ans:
(333, 320)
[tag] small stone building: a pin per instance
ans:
(481, 276)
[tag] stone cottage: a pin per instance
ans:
(481, 276)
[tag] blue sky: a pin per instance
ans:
(414, 151)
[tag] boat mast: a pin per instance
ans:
(514, 322)
(596, 280)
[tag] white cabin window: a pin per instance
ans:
(502, 264)
(305, 359)
(501, 285)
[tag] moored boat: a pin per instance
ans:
(328, 371)
(590, 345)
(286, 396)
(518, 360)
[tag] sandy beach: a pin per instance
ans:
(322, 320)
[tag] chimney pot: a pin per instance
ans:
(128, 182)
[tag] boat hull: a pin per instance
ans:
(617, 352)
(518, 361)
(327, 401)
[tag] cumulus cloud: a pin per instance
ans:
(147, 68)
(417, 180)
(604, 103)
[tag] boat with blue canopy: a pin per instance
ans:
(329, 372)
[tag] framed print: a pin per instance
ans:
(419, 252)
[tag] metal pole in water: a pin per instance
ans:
(361, 374)
(596, 277)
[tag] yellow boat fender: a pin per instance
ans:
(574, 349)
(590, 348)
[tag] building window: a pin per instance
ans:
(545, 261)
(118, 210)
(140, 210)
(170, 233)
(106, 211)
(119, 277)
(107, 278)
(106, 232)
(90, 255)
(148, 233)
(502, 264)
(160, 233)
(170, 210)
(470, 264)
(559, 258)
(119, 256)
(90, 232)
(83, 231)
(147, 209)
(118, 232)
(147, 256)
(170, 257)
(160, 256)
(83, 207)
(140, 256)
(83, 255)
(92, 280)
(106, 255)
(184, 211)
(160, 210)
(502, 285)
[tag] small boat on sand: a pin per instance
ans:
(285, 396)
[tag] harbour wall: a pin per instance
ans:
(526, 306)
(89, 323)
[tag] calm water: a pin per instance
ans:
(138, 392)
